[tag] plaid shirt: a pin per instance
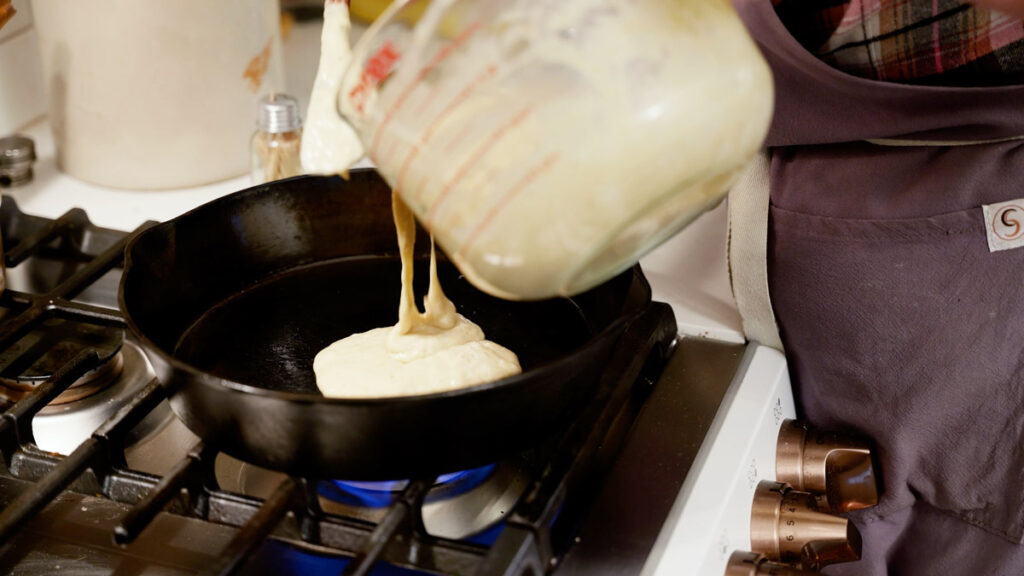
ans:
(936, 42)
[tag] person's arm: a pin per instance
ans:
(1011, 7)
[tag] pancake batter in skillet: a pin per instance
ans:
(430, 351)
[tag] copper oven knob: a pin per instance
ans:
(753, 564)
(786, 526)
(837, 467)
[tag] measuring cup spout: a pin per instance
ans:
(329, 144)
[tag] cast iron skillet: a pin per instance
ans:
(232, 301)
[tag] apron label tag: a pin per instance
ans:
(1004, 225)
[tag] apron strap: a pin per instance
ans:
(748, 252)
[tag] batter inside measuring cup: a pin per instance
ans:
(430, 351)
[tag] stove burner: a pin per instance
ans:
(65, 423)
(90, 383)
(38, 355)
(383, 494)
(471, 505)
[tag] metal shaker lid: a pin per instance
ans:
(279, 113)
(17, 153)
(16, 149)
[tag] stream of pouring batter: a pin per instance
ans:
(430, 351)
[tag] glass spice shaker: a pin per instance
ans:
(17, 153)
(276, 143)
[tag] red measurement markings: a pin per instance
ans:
(467, 128)
(438, 58)
(502, 202)
(473, 159)
(377, 68)
(436, 122)
(451, 145)
(461, 97)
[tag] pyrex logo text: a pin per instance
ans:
(377, 68)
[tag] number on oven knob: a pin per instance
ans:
(787, 526)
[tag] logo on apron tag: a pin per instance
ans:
(1004, 225)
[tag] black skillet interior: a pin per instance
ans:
(268, 335)
(251, 287)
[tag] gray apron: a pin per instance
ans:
(898, 322)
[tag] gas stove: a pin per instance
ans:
(670, 470)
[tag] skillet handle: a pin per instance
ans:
(654, 327)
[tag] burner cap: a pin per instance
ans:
(39, 354)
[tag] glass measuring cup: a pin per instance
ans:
(549, 144)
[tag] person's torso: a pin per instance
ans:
(898, 321)
(931, 42)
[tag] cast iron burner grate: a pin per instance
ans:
(567, 473)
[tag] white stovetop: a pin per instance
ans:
(689, 271)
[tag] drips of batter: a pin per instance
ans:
(430, 351)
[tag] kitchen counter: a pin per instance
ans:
(689, 271)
